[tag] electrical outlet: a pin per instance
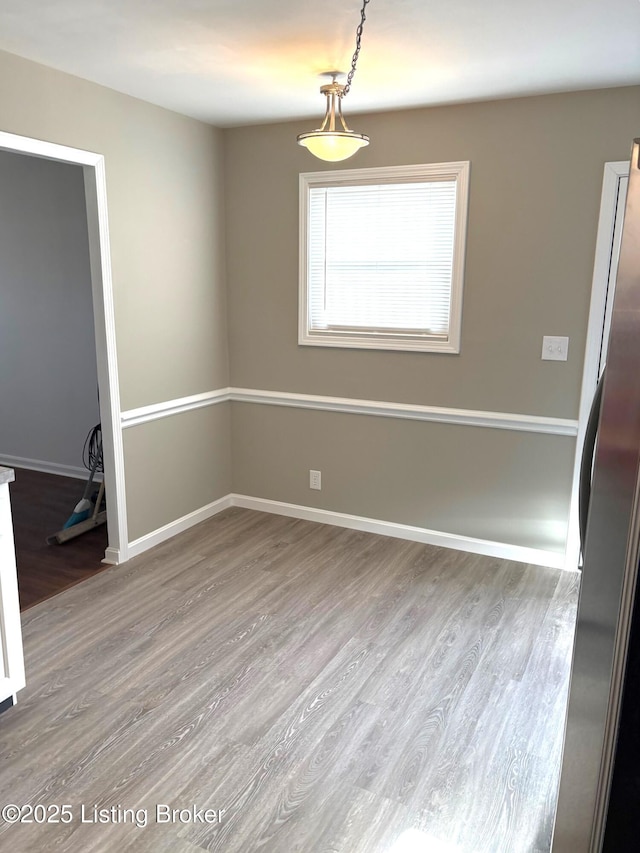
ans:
(315, 480)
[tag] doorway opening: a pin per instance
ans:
(95, 199)
(614, 191)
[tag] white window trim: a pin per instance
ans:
(455, 171)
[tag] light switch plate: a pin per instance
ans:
(555, 348)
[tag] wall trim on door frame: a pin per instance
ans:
(614, 172)
(93, 166)
(347, 405)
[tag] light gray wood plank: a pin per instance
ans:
(332, 689)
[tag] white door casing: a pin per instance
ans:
(12, 675)
(614, 188)
(104, 324)
(11, 656)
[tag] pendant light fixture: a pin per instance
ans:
(327, 143)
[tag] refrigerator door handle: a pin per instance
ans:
(586, 463)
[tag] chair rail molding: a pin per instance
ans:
(348, 405)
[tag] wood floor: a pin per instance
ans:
(331, 690)
(40, 505)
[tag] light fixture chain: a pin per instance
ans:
(354, 60)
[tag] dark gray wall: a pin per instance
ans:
(48, 379)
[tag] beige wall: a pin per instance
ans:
(174, 464)
(165, 196)
(536, 176)
(421, 474)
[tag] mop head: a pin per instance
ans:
(82, 511)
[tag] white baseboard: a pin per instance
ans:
(486, 547)
(112, 557)
(405, 531)
(149, 540)
(76, 472)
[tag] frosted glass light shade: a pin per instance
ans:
(333, 145)
(326, 142)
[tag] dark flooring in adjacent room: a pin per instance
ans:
(332, 691)
(40, 505)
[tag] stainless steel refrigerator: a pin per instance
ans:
(599, 796)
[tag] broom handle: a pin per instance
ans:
(96, 508)
(92, 473)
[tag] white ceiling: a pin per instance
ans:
(231, 62)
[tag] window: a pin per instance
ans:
(382, 257)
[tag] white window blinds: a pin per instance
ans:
(381, 257)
